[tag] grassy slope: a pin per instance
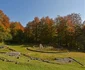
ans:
(38, 65)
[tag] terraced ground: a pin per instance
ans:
(25, 63)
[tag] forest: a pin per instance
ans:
(62, 32)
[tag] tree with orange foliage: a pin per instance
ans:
(4, 19)
(17, 31)
(4, 27)
(68, 30)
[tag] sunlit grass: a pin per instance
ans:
(38, 65)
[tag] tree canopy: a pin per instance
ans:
(62, 32)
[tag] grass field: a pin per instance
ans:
(38, 65)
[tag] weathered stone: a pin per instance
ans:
(28, 60)
(17, 57)
(38, 59)
(2, 59)
(9, 61)
(64, 60)
(32, 58)
(41, 46)
(1, 47)
(4, 46)
(46, 61)
(17, 54)
(16, 62)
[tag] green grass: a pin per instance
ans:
(38, 65)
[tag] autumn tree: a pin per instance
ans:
(47, 30)
(4, 27)
(4, 19)
(67, 30)
(17, 31)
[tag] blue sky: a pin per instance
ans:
(25, 10)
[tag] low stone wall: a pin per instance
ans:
(58, 60)
(43, 51)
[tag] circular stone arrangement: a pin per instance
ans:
(17, 54)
